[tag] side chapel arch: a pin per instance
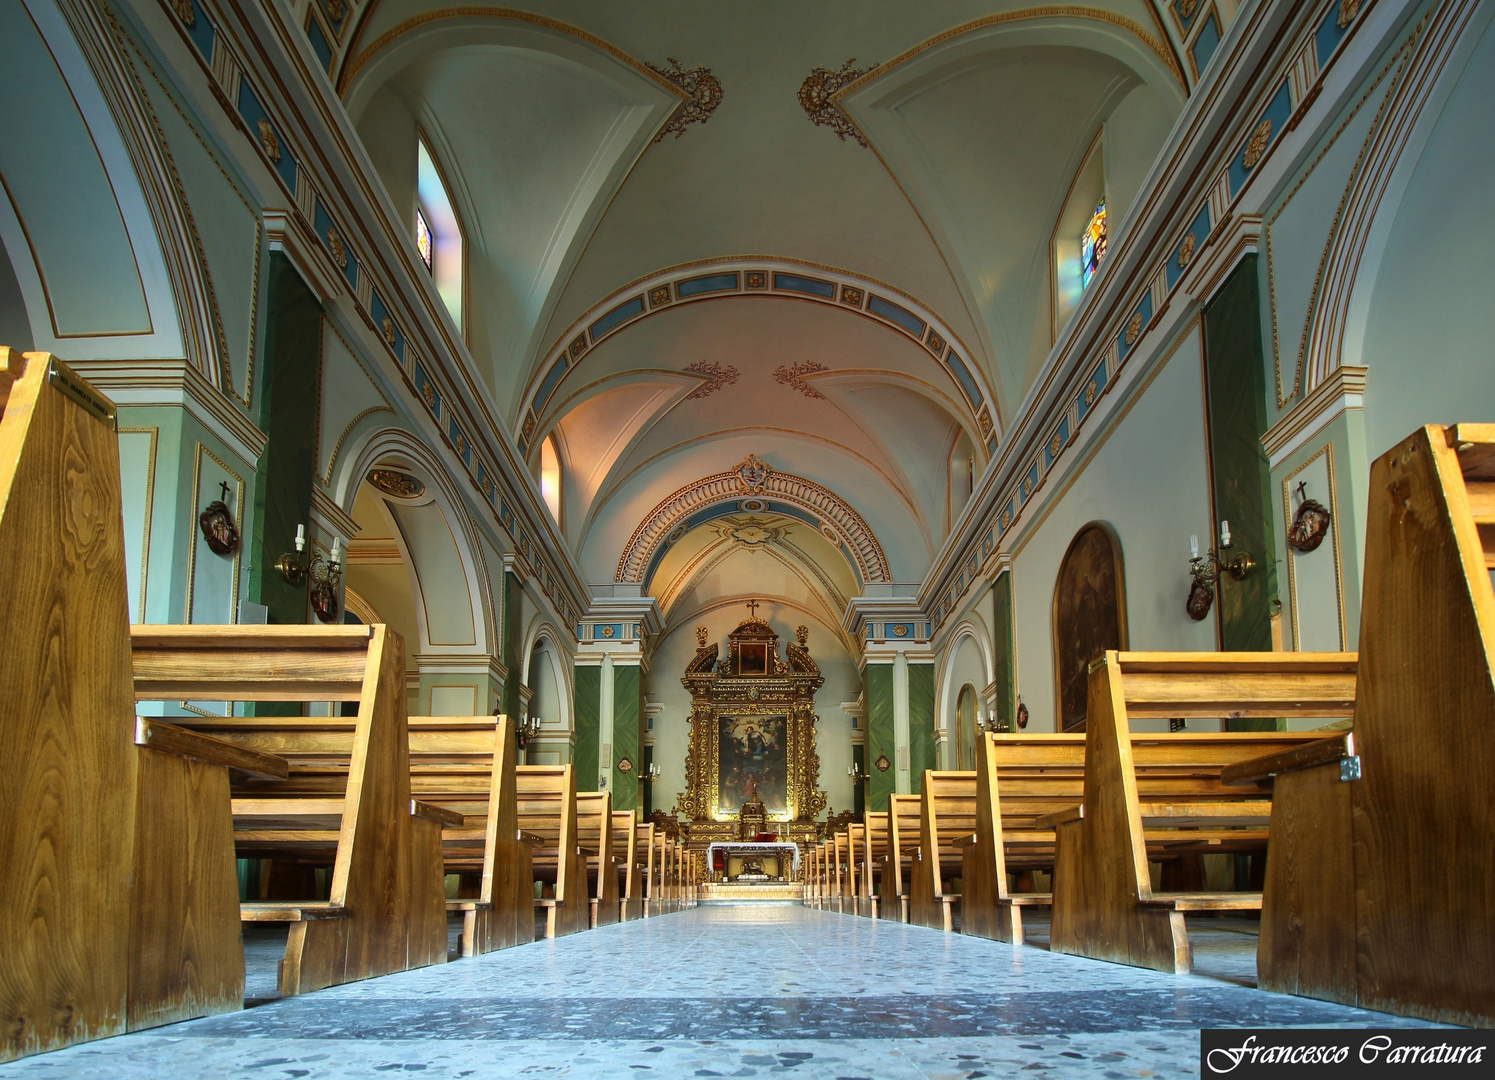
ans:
(1089, 617)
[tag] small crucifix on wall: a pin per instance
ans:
(218, 526)
(752, 606)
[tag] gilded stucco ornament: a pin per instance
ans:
(336, 249)
(1133, 329)
(387, 328)
(185, 12)
(1186, 8)
(717, 376)
(794, 376)
(1256, 146)
(393, 482)
(705, 94)
(336, 10)
(1056, 445)
(753, 472)
(1186, 251)
(268, 139)
(816, 96)
(1090, 393)
(1348, 9)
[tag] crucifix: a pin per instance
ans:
(223, 484)
(752, 606)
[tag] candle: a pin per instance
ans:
(300, 537)
(336, 549)
(1194, 546)
(1224, 534)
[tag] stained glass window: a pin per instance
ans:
(1093, 245)
(423, 239)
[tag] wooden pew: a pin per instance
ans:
(347, 802)
(876, 852)
(841, 853)
(661, 896)
(947, 821)
(466, 764)
(1104, 903)
(545, 806)
(1380, 891)
(594, 835)
(649, 883)
(856, 861)
(903, 841)
(631, 864)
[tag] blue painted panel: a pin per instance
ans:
(1201, 230)
(552, 377)
(1206, 43)
(991, 446)
(963, 376)
(1145, 310)
(1278, 110)
(253, 112)
(323, 221)
(458, 439)
(380, 312)
(709, 284)
(1029, 485)
(426, 388)
(319, 43)
(1092, 390)
(893, 313)
(1329, 34)
(1048, 451)
(201, 31)
(795, 283)
(1186, 21)
(617, 316)
(1005, 517)
(336, 24)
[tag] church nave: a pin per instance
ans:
(733, 990)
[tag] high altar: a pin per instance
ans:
(752, 772)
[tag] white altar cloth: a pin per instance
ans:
(748, 847)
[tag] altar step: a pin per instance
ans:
(715, 892)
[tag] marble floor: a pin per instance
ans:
(731, 991)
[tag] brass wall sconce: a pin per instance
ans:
(325, 575)
(857, 775)
(1206, 569)
(653, 773)
(991, 723)
(525, 730)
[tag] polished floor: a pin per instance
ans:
(731, 991)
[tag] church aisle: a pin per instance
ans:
(724, 991)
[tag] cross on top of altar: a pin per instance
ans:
(752, 606)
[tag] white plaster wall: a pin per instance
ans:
(672, 728)
(1149, 481)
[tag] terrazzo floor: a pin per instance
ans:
(731, 991)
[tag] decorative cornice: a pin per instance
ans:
(754, 482)
(817, 96)
(1343, 389)
(703, 92)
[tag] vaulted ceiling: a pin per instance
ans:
(667, 299)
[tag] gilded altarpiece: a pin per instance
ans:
(752, 732)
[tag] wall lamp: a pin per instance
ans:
(857, 775)
(326, 575)
(527, 728)
(653, 773)
(1205, 569)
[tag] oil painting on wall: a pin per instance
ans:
(1089, 616)
(753, 756)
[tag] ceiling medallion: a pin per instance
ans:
(816, 95)
(717, 376)
(1134, 327)
(753, 472)
(1186, 251)
(608, 631)
(658, 296)
(704, 90)
(392, 482)
(268, 139)
(794, 376)
(830, 534)
(753, 506)
(1256, 146)
(750, 533)
(900, 630)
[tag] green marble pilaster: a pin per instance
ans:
(588, 716)
(920, 723)
(880, 737)
(1002, 645)
(512, 643)
(627, 711)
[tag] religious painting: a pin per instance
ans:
(1089, 616)
(753, 760)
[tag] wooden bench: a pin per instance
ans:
(347, 803)
(898, 858)
(466, 764)
(874, 855)
(1380, 891)
(631, 865)
(1104, 904)
(947, 821)
(594, 835)
(856, 861)
(545, 806)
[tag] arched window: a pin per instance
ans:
(550, 477)
(438, 232)
(1080, 234)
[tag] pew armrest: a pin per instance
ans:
(469, 905)
(531, 838)
(170, 739)
(1202, 901)
(271, 911)
(1261, 770)
(431, 812)
(1059, 817)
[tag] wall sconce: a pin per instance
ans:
(1205, 570)
(653, 773)
(990, 723)
(527, 728)
(857, 775)
(326, 575)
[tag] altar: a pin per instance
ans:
(743, 862)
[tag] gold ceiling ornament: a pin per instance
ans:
(387, 328)
(1186, 251)
(1090, 393)
(900, 630)
(753, 472)
(1348, 9)
(428, 393)
(703, 94)
(817, 98)
(335, 10)
(1133, 329)
(717, 376)
(1256, 146)
(794, 376)
(1057, 445)
(658, 296)
(608, 631)
(335, 247)
(268, 139)
(399, 484)
(752, 727)
(185, 12)
(1186, 8)
(750, 532)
